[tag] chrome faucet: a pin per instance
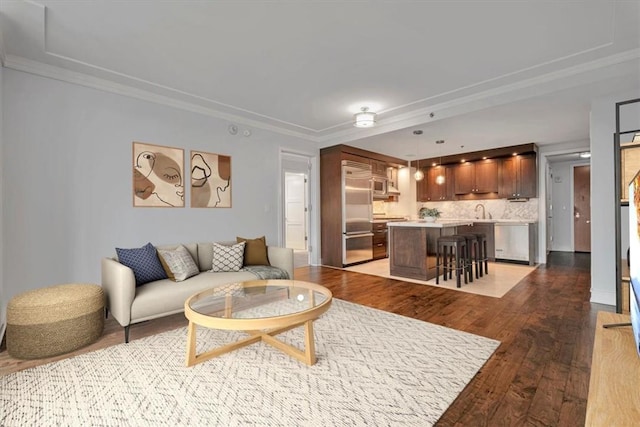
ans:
(480, 205)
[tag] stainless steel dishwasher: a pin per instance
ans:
(513, 241)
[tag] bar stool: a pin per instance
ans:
(472, 255)
(484, 256)
(451, 248)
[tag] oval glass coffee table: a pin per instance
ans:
(262, 309)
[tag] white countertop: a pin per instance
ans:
(495, 220)
(441, 223)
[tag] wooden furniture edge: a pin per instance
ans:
(614, 385)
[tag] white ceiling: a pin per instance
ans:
(491, 73)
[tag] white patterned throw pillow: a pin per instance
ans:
(178, 263)
(227, 258)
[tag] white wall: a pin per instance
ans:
(67, 162)
(562, 196)
(602, 128)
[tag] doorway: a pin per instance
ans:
(559, 234)
(296, 206)
(582, 208)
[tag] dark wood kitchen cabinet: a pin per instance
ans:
(476, 177)
(379, 230)
(519, 177)
(428, 190)
(378, 168)
(331, 208)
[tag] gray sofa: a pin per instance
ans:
(130, 304)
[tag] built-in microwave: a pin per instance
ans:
(379, 186)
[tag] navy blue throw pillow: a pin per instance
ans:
(144, 262)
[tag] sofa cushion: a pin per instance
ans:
(205, 256)
(227, 258)
(255, 251)
(144, 262)
(192, 248)
(178, 263)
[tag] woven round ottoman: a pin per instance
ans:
(54, 320)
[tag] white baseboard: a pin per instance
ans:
(608, 298)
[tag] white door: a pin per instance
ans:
(295, 210)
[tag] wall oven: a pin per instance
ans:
(379, 186)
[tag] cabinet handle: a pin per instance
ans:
(379, 244)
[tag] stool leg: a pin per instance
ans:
(447, 264)
(465, 266)
(445, 261)
(481, 254)
(476, 248)
(467, 261)
(458, 248)
(438, 265)
(486, 258)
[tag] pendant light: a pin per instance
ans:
(440, 178)
(419, 175)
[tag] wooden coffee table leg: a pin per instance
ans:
(191, 344)
(309, 343)
(307, 356)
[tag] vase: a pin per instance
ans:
(430, 218)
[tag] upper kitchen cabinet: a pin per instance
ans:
(518, 177)
(378, 167)
(428, 190)
(479, 177)
(353, 157)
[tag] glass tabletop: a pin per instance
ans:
(259, 299)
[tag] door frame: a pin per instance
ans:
(313, 180)
(573, 147)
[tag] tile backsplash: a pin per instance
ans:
(498, 208)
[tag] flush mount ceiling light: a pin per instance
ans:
(365, 118)
(585, 155)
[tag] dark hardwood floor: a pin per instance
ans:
(539, 376)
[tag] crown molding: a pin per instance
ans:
(57, 73)
(445, 109)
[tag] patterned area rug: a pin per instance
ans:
(374, 368)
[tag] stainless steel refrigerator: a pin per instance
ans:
(357, 208)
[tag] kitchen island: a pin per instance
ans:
(412, 246)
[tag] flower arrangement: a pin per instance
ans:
(432, 212)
